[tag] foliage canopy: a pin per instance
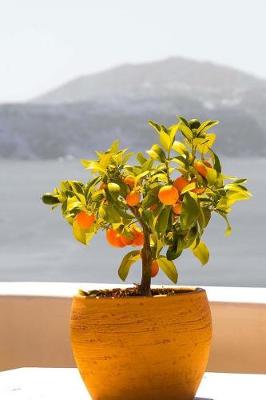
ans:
(163, 202)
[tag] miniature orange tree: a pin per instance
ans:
(162, 204)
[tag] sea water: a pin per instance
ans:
(36, 244)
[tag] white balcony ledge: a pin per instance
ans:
(65, 383)
(64, 289)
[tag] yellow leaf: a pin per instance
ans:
(211, 175)
(179, 147)
(188, 187)
(165, 140)
(201, 252)
(186, 131)
(72, 202)
(115, 146)
(204, 144)
(79, 233)
(172, 131)
(94, 165)
(82, 235)
(233, 197)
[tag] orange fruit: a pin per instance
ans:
(200, 168)
(130, 180)
(133, 198)
(177, 208)
(126, 241)
(114, 238)
(154, 268)
(168, 195)
(138, 238)
(84, 219)
(180, 183)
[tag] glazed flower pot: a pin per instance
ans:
(142, 347)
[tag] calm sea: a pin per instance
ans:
(37, 245)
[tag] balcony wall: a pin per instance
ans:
(34, 328)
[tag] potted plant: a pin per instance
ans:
(143, 342)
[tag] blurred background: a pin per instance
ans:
(75, 75)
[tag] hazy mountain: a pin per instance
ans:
(89, 112)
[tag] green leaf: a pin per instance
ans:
(160, 177)
(228, 230)
(201, 252)
(168, 268)
(190, 211)
(155, 126)
(206, 125)
(190, 237)
(140, 176)
(241, 180)
(162, 221)
(112, 214)
(97, 196)
(186, 131)
(90, 185)
(146, 166)
(128, 260)
(217, 164)
(204, 217)
(176, 247)
(172, 253)
(50, 199)
(141, 159)
(183, 120)
(156, 153)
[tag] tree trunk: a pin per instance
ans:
(145, 286)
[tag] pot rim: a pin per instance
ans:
(181, 291)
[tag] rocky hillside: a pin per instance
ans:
(89, 112)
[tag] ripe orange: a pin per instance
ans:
(180, 183)
(126, 241)
(168, 195)
(84, 219)
(177, 208)
(133, 198)
(200, 168)
(114, 238)
(130, 180)
(138, 238)
(154, 268)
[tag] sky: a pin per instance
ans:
(44, 43)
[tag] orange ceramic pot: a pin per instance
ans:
(142, 348)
